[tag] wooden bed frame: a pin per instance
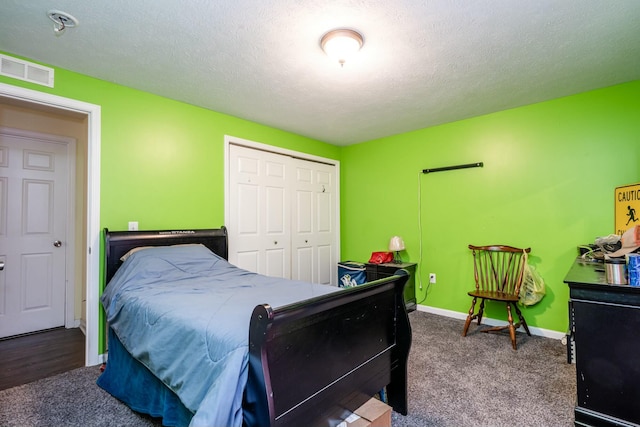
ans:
(310, 363)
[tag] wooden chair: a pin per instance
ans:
(498, 273)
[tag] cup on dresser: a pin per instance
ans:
(615, 271)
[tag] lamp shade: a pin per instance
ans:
(396, 244)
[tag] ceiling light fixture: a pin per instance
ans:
(341, 44)
(61, 21)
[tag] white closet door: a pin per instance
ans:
(259, 223)
(314, 222)
(283, 215)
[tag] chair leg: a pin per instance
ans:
(522, 321)
(469, 317)
(480, 311)
(512, 328)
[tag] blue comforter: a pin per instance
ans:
(184, 313)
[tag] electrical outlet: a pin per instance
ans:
(432, 277)
(133, 225)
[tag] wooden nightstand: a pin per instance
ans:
(379, 271)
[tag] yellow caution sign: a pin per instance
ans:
(627, 207)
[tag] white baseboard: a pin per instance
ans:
(548, 333)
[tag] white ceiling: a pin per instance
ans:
(423, 63)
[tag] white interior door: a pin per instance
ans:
(260, 231)
(33, 236)
(313, 222)
(282, 215)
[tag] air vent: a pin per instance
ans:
(25, 70)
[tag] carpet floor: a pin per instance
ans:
(453, 381)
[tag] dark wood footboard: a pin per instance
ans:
(314, 362)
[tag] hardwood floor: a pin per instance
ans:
(31, 357)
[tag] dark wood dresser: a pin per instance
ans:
(605, 323)
(380, 271)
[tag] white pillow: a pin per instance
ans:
(124, 257)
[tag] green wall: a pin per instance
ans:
(548, 179)
(164, 161)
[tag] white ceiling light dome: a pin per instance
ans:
(341, 44)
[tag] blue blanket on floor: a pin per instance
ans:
(183, 312)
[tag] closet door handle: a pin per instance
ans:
(1, 265)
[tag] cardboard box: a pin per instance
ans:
(372, 413)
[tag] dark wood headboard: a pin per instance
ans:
(118, 243)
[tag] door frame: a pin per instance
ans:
(92, 259)
(70, 236)
(228, 140)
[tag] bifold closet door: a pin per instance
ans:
(282, 215)
(259, 227)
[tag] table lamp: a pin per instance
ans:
(396, 244)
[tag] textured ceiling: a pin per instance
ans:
(423, 62)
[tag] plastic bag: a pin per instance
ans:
(532, 288)
(381, 257)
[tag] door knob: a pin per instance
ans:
(57, 243)
(1, 265)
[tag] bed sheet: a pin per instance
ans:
(184, 313)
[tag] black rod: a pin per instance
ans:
(449, 168)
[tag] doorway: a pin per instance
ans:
(87, 237)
